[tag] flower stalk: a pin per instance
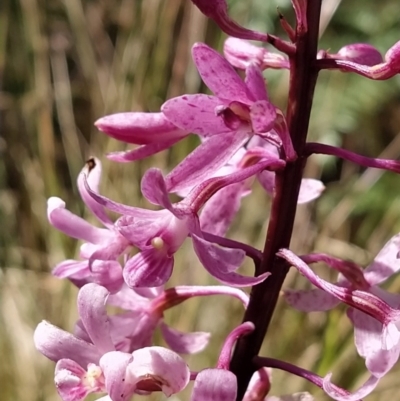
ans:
(303, 76)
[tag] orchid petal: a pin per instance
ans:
(360, 53)
(69, 378)
(219, 212)
(141, 152)
(241, 54)
(367, 332)
(218, 11)
(363, 391)
(129, 299)
(310, 189)
(90, 177)
(267, 180)
(92, 300)
(162, 366)
(219, 75)
(72, 268)
(150, 293)
(114, 365)
(311, 300)
(382, 361)
(384, 164)
(385, 264)
(263, 116)
(200, 194)
(140, 231)
(109, 251)
(361, 300)
(124, 209)
(176, 295)
(149, 268)
(71, 224)
(197, 114)
(133, 330)
(56, 344)
(108, 274)
(255, 82)
(222, 262)
(139, 128)
(214, 385)
(184, 343)
(303, 396)
(154, 189)
(259, 386)
(225, 355)
(204, 161)
(368, 341)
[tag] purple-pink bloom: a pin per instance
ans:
(214, 385)
(260, 385)
(218, 213)
(238, 110)
(90, 361)
(241, 54)
(377, 336)
(159, 234)
(102, 247)
(360, 53)
(144, 310)
(220, 384)
(150, 130)
(218, 11)
(335, 392)
(365, 60)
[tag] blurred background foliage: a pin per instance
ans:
(65, 63)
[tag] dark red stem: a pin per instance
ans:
(303, 76)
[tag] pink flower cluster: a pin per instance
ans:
(127, 262)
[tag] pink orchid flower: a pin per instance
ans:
(102, 246)
(365, 60)
(144, 311)
(237, 111)
(159, 234)
(377, 336)
(152, 131)
(241, 53)
(89, 362)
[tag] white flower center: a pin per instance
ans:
(157, 243)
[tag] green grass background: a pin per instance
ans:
(65, 63)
